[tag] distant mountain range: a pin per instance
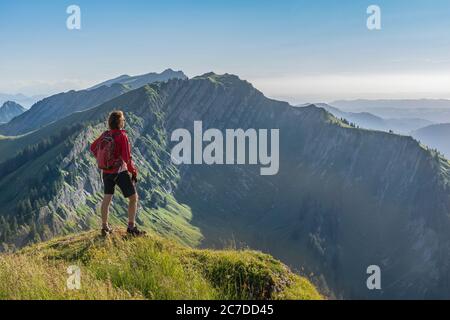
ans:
(9, 110)
(344, 198)
(436, 111)
(22, 99)
(391, 103)
(370, 121)
(435, 136)
(60, 105)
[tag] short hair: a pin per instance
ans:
(114, 119)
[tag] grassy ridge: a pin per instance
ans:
(145, 268)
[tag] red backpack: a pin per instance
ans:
(105, 151)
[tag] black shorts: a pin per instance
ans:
(123, 180)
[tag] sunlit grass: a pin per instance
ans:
(150, 268)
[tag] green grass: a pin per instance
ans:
(145, 268)
(171, 221)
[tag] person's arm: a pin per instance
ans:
(126, 156)
(93, 147)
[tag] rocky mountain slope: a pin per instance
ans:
(343, 199)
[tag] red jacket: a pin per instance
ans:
(122, 150)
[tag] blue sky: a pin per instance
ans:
(293, 50)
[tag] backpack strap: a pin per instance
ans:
(109, 132)
(104, 133)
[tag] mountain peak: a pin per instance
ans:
(226, 78)
(216, 75)
(9, 110)
(170, 70)
(10, 103)
(207, 74)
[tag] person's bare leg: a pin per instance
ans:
(132, 209)
(105, 209)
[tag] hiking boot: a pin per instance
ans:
(135, 232)
(106, 231)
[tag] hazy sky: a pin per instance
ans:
(298, 50)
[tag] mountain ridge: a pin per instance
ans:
(58, 106)
(134, 82)
(63, 104)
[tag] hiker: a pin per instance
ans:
(113, 153)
